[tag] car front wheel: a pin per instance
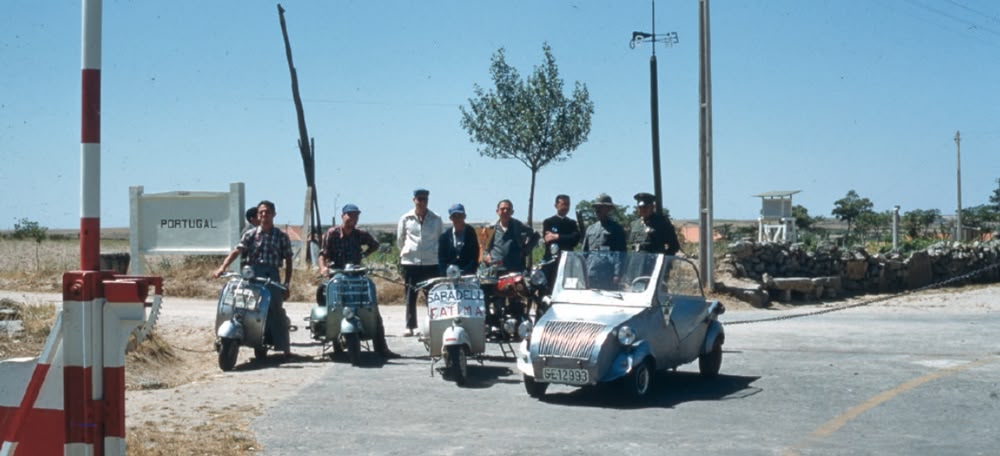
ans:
(639, 382)
(534, 389)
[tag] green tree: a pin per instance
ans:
(918, 222)
(529, 120)
(30, 229)
(802, 219)
(850, 207)
(624, 215)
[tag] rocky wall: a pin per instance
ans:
(759, 272)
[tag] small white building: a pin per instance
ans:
(776, 222)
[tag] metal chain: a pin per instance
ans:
(942, 283)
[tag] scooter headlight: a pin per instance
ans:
(524, 329)
(626, 336)
(538, 278)
(510, 326)
(247, 272)
(453, 272)
(348, 312)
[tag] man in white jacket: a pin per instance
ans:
(417, 236)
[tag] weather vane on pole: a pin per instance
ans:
(668, 39)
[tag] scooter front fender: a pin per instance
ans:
(231, 329)
(351, 325)
(454, 335)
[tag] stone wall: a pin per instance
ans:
(759, 272)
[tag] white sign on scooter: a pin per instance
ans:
(447, 302)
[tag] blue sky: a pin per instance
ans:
(817, 96)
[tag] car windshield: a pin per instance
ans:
(605, 271)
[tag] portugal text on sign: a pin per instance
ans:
(188, 223)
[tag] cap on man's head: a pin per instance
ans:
(349, 208)
(603, 200)
(644, 199)
(421, 193)
(456, 209)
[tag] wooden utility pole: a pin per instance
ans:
(313, 223)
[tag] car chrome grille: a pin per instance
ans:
(568, 339)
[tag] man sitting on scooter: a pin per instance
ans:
(266, 247)
(342, 245)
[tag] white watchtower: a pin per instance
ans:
(776, 223)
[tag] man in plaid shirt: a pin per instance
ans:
(341, 247)
(266, 248)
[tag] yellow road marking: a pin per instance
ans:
(838, 422)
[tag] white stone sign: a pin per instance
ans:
(184, 223)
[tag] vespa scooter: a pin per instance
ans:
(241, 316)
(455, 328)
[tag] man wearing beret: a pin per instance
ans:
(653, 232)
(417, 235)
(342, 245)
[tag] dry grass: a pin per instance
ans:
(169, 357)
(36, 321)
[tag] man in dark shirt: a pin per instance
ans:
(342, 246)
(559, 229)
(459, 244)
(653, 232)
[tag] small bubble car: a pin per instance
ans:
(620, 317)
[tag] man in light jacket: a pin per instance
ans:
(417, 235)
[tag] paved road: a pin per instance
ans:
(914, 375)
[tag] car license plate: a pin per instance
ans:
(570, 376)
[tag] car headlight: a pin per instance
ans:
(538, 278)
(626, 336)
(247, 272)
(348, 312)
(524, 329)
(453, 272)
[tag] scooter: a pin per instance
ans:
(350, 314)
(454, 329)
(507, 310)
(241, 316)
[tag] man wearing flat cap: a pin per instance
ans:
(342, 245)
(459, 244)
(653, 232)
(417, 235)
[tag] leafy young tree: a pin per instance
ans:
(30, 229)
(529, 120)
(850, 207)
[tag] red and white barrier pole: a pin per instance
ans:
(83, 316)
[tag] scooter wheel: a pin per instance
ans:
(457, 364)
(229, 351)
(353, 343)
